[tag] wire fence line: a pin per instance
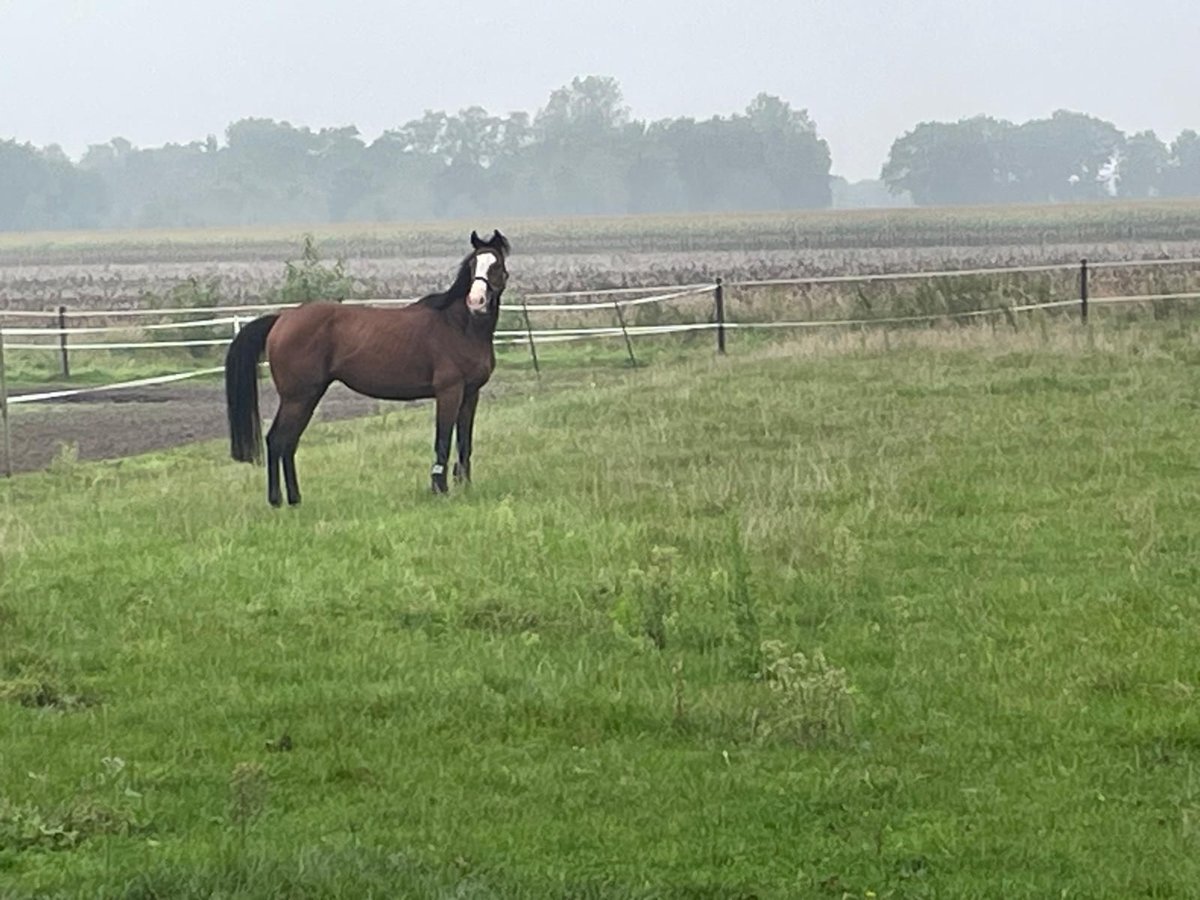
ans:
(577, 301)
(25, 331)
(952, 273)
(555, 335)
(550, 333)
(116, 386)
(127, 345)
(1145, 298)
(240, 311)
(675, 293)
(253, 309)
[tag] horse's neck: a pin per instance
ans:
(480, 327)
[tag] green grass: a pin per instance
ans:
(578, 678)
(28, 370)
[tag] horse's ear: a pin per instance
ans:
(500, 241)
(475, 241)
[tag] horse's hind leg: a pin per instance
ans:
(466, 428)
(293, 417)
(449, 401)
(273, 495)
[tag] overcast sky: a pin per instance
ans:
(76, 72)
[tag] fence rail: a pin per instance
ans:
(55, 335)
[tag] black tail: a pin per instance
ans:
(241, 389)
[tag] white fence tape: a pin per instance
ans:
(108, 329)
(679, 291)
(1050, 304)
(120, 385)
(951, 273)
(893, 276)
(553, 335)
(616, 292)
(123, 345)
(587, 334)
(28, 314)
(603, 331)
(690, 291)
(247, 311)
(1138, 263)
(251, 311)
(562, 334)
(1144, 298)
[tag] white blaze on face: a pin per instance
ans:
(477, 297)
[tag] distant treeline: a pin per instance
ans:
(1067, 157)
(580, 154)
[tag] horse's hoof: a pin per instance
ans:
(439, 486)
(275, 502)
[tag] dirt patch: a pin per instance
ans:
(43, 693)
(116, 424)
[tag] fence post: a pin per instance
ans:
(62, 341)
(625, 331)
(1083, 291)
(719, 302)
(4, 412)
(529, 331)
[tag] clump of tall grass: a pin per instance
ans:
(807, 698)
(646, 608)
(742, 605)
(106, 803)
(249, 786)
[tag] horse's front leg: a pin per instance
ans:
(449, 401)
(465, 429)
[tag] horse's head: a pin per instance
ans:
(488, 273)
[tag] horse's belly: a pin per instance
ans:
(387, 390)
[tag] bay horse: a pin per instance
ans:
(441, 346)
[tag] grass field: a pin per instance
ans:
(836, 618)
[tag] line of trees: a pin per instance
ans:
(581, 153)
(1067, 157)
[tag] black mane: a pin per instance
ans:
(456, 291)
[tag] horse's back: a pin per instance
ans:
(378, 352)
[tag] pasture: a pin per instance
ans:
(907, 615)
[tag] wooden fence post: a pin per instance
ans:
(62, 341)
(529, 331)
(4, 412)
(719, 303)
(1083, 291)
(625, 331)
